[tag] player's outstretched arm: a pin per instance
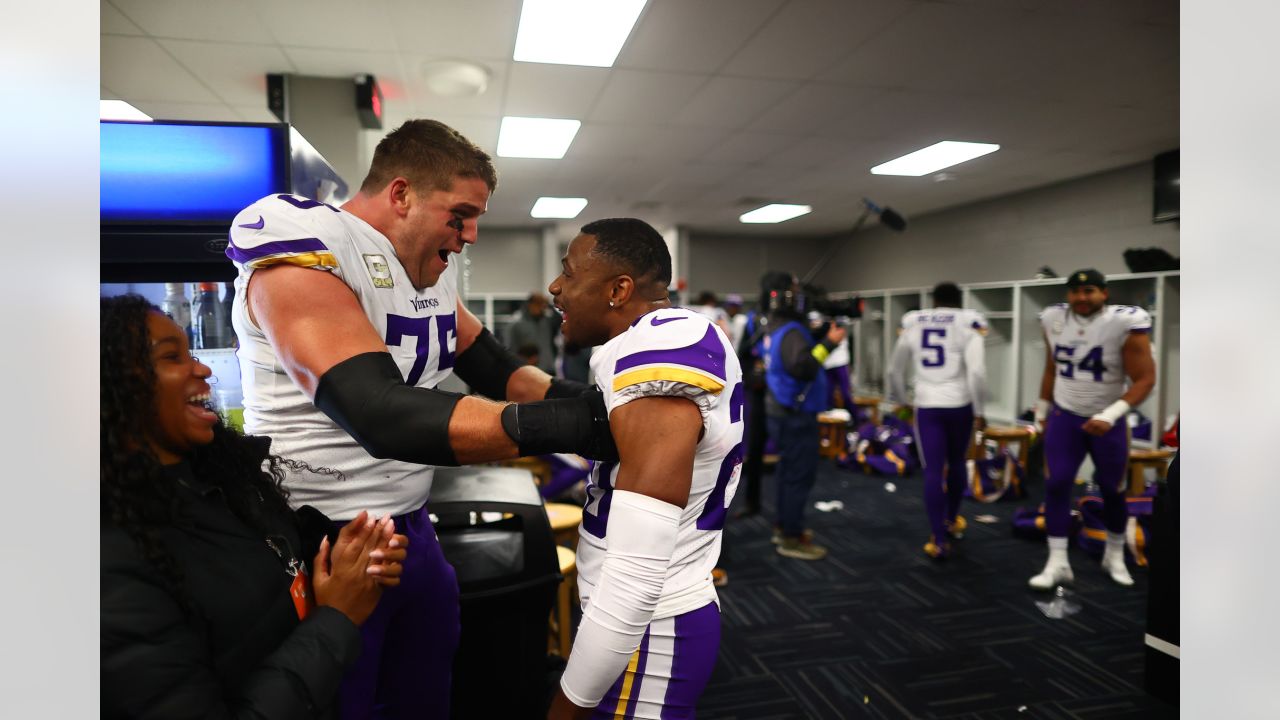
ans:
(657, 438)
(329, 348)
(492, 370)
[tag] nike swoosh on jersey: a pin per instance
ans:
(254, 226)
(662, 321)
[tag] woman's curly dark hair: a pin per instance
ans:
(136, 495)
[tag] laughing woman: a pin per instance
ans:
(217, 599)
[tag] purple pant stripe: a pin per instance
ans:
(944, 435)
(1065, 445)
(406, 657)
(697, 643)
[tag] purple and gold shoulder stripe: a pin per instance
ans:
(305, 252)
(700, 364)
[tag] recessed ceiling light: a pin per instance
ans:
(536, 137)
(934, 158)
(575, 32)
(774, 213)
(120, 110)
(557, 207)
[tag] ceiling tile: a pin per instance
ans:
(137, 68)
(805, 38)
(813, 106)
(695, 37)
(113, 22)
(328, 23)
(343, 63)
(236, 73)
(633, 96)
(553, 91)
(924, 50)
(745, 147)
(222, 21)
(475, 29)
(731, 102)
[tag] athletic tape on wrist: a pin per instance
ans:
(1113, 412)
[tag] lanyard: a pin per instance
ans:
(292, 565)
(300, 589)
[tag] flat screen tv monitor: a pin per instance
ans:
(1167, 178)
(188, 173)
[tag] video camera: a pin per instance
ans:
(781, 291)
(842, 311)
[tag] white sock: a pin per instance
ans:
(1115, 546)
(1058, 551)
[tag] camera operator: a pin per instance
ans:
(797, 392)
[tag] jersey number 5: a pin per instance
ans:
(939, 352)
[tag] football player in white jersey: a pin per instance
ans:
(347, 320)
(945, 347)
(1091, 347)
(651, 528)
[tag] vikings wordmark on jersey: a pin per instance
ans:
(419, 327)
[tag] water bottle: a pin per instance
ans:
(175, 305)
(208, 318)
(228, 300)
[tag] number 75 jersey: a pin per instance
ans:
(672, 352)
(418, 326)
(1089, 353)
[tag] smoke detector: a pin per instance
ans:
(455, 78)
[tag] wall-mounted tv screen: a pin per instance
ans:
(161, 172)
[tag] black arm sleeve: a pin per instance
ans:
(367, 396)
(797, 357)
(564, 388)
(487, 365)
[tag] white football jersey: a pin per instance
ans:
(937, 340)
(672, 352)
(1089, 354)
(419, 328)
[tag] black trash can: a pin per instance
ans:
(494, 530)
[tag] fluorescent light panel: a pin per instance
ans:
(120, 110)
(557, 207)
(933, 158)
(575, 32)
(774, 213)
(536, 137)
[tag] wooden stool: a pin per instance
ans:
(540, 468)
(561, 627)
(1003, 435)
(1139, 460)
(565, 519)
(872, 403)
(832, 428)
